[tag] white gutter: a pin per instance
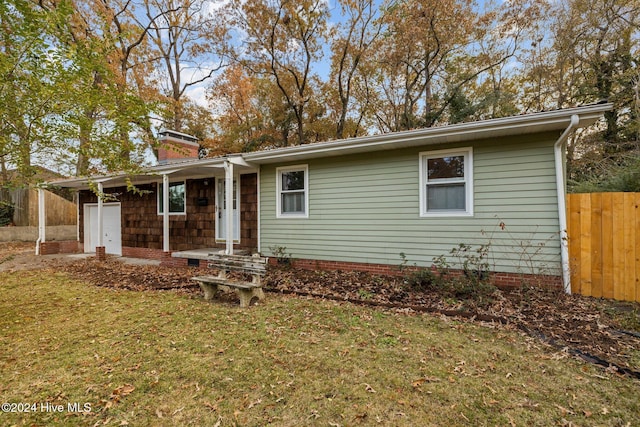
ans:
(42, 221)
(558, 151)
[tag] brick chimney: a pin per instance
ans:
(176, 146)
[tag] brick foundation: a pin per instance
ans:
(101, 253)
(502, 280)
(144, 253)
(169, 261)
(60, 247)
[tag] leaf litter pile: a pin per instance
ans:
(601, 331)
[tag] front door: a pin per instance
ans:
(221, 209)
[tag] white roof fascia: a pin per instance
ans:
(240, 161)
(83, 183)
(514, 125)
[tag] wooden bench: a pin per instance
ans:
(247, 291)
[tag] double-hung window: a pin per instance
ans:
(293, 191)
(177, 198)
(446, 183)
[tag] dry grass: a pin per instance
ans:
(166, 358)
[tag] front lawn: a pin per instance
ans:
(170, 358)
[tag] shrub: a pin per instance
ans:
(421, 279)
(473, 284)
(6, 213)
(282, 257)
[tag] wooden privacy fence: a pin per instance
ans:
(604, 244)
(60, 211)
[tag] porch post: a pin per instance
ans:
(228, 169)
(101, 251)
(42, 220)
(165, 213)
(100, 215)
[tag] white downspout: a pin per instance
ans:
(558, 149)
(228, 169)
(165, 213)
(42, 221)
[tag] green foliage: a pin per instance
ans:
(475, 262)
(473, 284)
(423, 278)
(6, 213)
(280, 252)
(625, 178)
(417, 278)
(61, 99)
(364, 294)
(34, 82)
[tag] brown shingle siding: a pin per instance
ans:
(142, 226)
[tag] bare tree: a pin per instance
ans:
(185, 37)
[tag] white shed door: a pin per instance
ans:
(111, 231)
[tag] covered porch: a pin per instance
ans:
(207, 205)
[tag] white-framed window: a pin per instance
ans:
(292, 190)
(177, 198)
(446, 182)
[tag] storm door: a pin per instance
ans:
(221, 210)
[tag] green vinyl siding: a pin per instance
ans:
(365, 208)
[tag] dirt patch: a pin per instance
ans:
(15, 256)
(607, 330)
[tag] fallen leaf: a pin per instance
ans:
(210, 406)
(369, 388)
(121, 391)
(252, 404)
(564, 410)
(420, 381)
